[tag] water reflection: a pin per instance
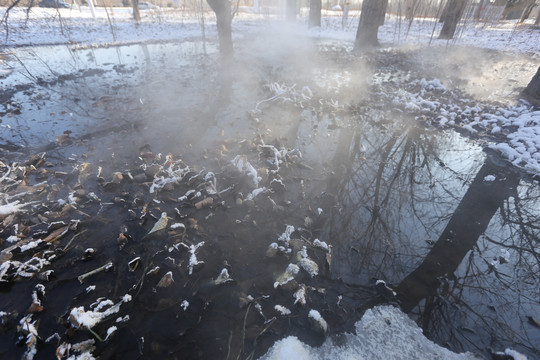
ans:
(457, 238)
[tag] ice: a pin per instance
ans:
(384, 332)
(489, 178)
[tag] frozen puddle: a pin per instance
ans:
(383, 333)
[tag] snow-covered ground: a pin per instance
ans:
(383, 333)
(115, 26)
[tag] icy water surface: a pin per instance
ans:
(291, 181)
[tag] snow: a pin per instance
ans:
(384, 332)
(489, 178)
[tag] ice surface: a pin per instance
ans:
(384, 332)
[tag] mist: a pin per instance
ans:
(159, 196)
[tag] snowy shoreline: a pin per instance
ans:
(116, 27)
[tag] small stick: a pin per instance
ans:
(95, 271)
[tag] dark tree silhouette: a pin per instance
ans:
(315, 7)
(451, 17)
(532, 91)
(222, 9)
(136, 13)
(470, 219)
(371, 17)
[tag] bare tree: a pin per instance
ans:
(315, 7)
(451, 17)
(222, 9)
(136, 12)
(371, 17)
(527, 11)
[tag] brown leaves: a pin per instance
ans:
(65, 139)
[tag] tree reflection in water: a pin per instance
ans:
(423, 212)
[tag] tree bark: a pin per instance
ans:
(371, 17)
(532, 91)
(136, 13)
(469, 221)
(454, 12)
(537, 22)
(222, 9)
(315, 7)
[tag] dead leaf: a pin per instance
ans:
(57, 234)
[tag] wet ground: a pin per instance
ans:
(289, 178)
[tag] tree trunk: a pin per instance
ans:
(136, 13)
(527, 11)
(371, 17)
(222, 9)
(445, 11)
(478, 10)
(469, 221)
(454, 12)
(410, 9)
(315, 7)
(291, 10)
(537, 22)
(532, 91)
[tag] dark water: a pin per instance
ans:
(396, 198)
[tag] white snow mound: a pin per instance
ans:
(384, 332)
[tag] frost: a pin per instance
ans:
(244, 166)
(31, 245)
(193, 261)
(282, 310)
(12, 239)
(78, 317)
(223, 277)
(173, 174)
(13, 207)
(286, 236)
(489, 178)
(184, 304)
(255, 193)
(178, 226)
(287, 275)
(300, 295)
(320, 244)
(110, 331)
(315, 315)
